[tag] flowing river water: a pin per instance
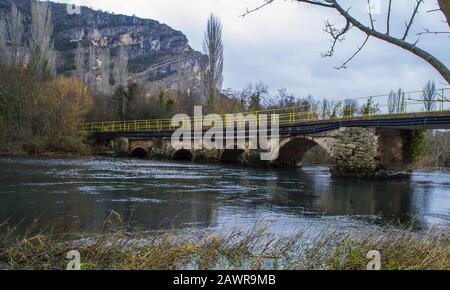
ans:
(80, 194)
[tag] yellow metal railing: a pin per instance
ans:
(291, 115)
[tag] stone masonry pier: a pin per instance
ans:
(357, 152)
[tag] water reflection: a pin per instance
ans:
(390, 200)
(81, 194)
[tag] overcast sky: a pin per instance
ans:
(281, 44)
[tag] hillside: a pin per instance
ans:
(159, 56)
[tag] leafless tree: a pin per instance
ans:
(3, 50)
(185, 86)
(213, 47)
(438, 146)
(41, 46)
(16, 31)
(105, 70)
(121, 67)
(338, 34)
(335, 106)
(396, 102)
(80, 62)
(429, 96)
(325, 109)
(92, 65)
(285, 99)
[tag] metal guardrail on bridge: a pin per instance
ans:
(360, 108)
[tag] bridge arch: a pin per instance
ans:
(231, 155)
(292, 150)
(182, 155)
(139, 152)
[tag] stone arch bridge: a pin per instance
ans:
(372, 147)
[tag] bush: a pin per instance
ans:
(38, 115)
(414, 145)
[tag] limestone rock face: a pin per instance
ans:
(157, 53)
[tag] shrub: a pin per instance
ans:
(39, 115)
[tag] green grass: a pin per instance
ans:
(116, 248)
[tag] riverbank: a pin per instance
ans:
(116, 248)
(22, 150)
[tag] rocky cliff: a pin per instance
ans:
(159, 56)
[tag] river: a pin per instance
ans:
(80, 194)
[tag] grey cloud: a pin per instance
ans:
(281, 45)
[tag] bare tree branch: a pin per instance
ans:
(370, 14)
(408, 26)
(444, 6)
(437, 64)
(427, 31)
(388, 24)
(324, 3)
(248, 11)
(344, 65)
(337, 35)
(434, 10)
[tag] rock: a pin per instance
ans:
(158, 55)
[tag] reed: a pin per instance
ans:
(116, 247)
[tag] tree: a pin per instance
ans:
(445, 8)
(138, 107)
(105, 70)
(335, 106)
(429, 95)
(121, 67)
(41, 46)
(370, 108)
(438, 147)
(257, 97)
(92, 64)
(213, 47)
(396, 102)
(3, 51)
(442, 148)
(16, 31)
(285, 99)
(165, 103)
(185, 89)
(79, 62)
(349, 108)
(325, 109)
(338, 34)
(38, 114)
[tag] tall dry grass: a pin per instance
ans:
(115, 247)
